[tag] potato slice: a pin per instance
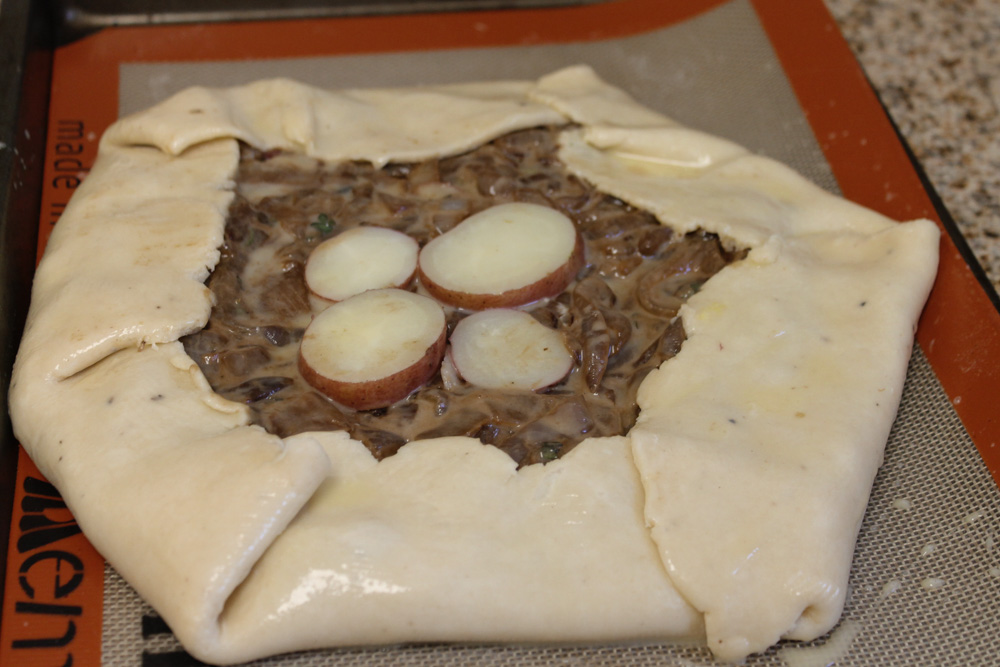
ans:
(361, 259)
(504, 256)
(508, 349)
(373, 349)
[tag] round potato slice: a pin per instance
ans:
(508, 349)
(361, 259)
(504, 256)
(373, 349)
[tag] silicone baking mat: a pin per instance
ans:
(773, 75)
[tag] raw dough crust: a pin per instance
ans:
(728, 514)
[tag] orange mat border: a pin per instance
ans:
(53, 607)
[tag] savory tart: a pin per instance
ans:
(702, 357)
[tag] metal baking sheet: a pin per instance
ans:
(769, 74)
(25, 70)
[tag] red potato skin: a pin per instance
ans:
(404, 285)
(378, 392)
(551, 285)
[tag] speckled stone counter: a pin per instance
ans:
(936, 66)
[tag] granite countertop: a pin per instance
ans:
(936, 67)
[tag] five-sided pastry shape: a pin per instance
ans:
(728, 513)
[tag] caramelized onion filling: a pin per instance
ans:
(618, 316)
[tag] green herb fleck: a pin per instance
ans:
(324, 224)
(251, 239)
(549, 451)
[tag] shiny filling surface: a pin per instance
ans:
(618, 316)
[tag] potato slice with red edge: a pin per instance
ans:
(361, 259)
(501, 257)
(508, 349)
(373, 349)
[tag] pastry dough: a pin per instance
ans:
(728, 514)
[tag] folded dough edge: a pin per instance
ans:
(82, 334)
